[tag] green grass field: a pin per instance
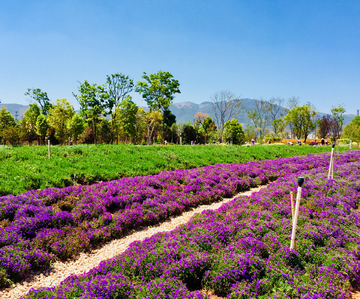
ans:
(26, 168)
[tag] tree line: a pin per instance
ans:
(108, 115)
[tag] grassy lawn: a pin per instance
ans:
(27, 168)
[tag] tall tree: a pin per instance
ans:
(118, 86)
(58, 118)
(338, 114)
(93, 101)
(158, 90)
(356, 120)
(209, 127)
(352, 131)
(76, 126)
(41, 98)
(199, 117)
(42, 127)
(279, 127)
(126, 117)
(30, 117)
(292, 103)
(276, 108)
(151, 119)
(225, 106)
(234, 132)
(302, 119)
(260, 116)
(324, 126)
(6, 121)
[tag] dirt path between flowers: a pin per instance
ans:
(87, 261)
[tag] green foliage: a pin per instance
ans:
(158, 90)
(279, 127)
(118, 86)
(26, 168)
(126, 116)
(302, 120)
(352, 131)
(234, 131)
(338, 113)
(41, 126)
(6, 121)
(59, 117)
(93, 100)
(41, 98)
(356, 120)
(76, 126)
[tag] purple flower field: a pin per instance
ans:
(40, 226)
(242, 249)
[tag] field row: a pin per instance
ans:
(28, 168)
(40, 226)
(242, 249)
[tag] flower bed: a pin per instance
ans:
(242, 249)
(40, 226)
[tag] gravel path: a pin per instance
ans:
(87, 261)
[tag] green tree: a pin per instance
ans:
(93, 101)
(41, 98)
(189, 133)
(225, 106)
(338, 113)
(234, 131)
(117, 86)
(29, 121)
(302, 120)
(58, 118)
(158, 91)
(126, 119)
(76, 126)
(352, 131)
(356, 120)
(151, 119)
(11, 135)
(208, 124)
(42, 126)
(6, 120)
(260, 116)
(279, 127)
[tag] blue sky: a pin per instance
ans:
(257, 48)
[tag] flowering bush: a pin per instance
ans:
(242, 249)
(60, 223)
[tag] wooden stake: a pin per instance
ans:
(292, 204)
(296, 216)
(331, 163)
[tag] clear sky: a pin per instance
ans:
(253, 48)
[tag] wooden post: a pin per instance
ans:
(292, 204)
(296, 216)
(49, 146)
(331, 162)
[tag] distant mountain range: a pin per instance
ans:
(184, 111)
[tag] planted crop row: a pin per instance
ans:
(28, 168)
(242, 249)
(40, 226)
